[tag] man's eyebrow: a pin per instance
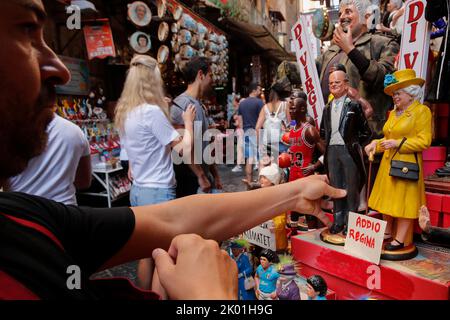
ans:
(35, 8)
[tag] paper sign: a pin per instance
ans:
(308, 70)
(99, 41)
(365, 237)
(415, 39)
(262, 236)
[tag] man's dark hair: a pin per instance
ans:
(270, 255)
(192, 68)
(252, 87)
(319, 285)
(142, 36)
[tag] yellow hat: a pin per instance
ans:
(401, 79)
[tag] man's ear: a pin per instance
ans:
(200, 75)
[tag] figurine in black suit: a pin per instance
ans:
(344, 129)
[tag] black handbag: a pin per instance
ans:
(403, 169)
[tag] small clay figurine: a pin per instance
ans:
(345, 130)
(245, 269)
(287, 288)
(266, 276)
(317, 288)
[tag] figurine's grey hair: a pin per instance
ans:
(414, 91)
(397, 3)
(361, 6)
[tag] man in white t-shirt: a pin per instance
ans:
(63, 167)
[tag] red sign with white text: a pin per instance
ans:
(99, 41)
(308, 70)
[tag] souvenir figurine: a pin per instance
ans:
(245, 269)
(316, 288)
(266, 276)
(399, 189)
(271, 175)
(345, 130)
(303, 139)
(287, 288)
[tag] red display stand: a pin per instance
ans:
(446, 211)
(425, 277)
(433, 158)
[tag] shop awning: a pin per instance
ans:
(258, 37)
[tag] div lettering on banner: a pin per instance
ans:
(415, 44)
(308, 70)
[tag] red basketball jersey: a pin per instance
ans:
(301, 152)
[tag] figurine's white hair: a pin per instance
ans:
(361, 6)
(414, 91)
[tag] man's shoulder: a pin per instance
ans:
(65, 129)
(251, 102)
(183, 100)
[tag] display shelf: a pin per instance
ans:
(104, 178)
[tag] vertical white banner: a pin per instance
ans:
(308, 70)
(415, 39)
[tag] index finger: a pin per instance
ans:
(333, 192)
(180, 242)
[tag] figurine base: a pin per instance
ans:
(336, 239)
(405, 253)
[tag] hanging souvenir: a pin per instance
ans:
(188, 22)
(178, 13)
(163, 31)
(140, 42)
(161, 5)
(163, 54)
(187, 52)
(139, 13)
(174, 27)
(185, 36)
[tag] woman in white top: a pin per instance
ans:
(142, 117)
(273, 118)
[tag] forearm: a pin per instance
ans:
(359, 60)
(226, 220)
(185, 146)
(83, 177)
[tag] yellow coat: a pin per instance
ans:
(396, 197)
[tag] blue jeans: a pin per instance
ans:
(250, 147)
(140, 196)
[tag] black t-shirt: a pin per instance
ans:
(249, 109)
(90, 237)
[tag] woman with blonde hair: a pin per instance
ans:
(142, 117)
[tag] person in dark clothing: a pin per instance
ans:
(249, 110)
(440, 90)
(345, 130)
